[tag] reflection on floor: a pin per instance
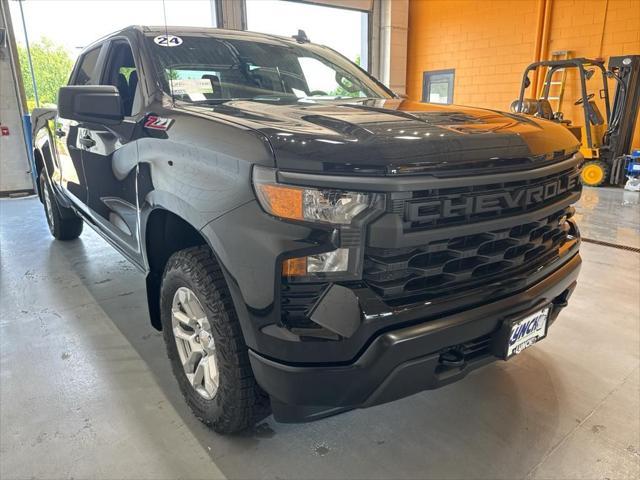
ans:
(610, 215)
(86, 390)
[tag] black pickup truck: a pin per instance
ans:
(311, 241)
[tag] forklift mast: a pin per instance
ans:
(625, 70)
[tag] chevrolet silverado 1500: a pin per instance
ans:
(311, 241)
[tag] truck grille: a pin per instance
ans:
(442, 207)
(399, 275)
(442, 260)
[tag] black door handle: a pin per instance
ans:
(87, 142)
(60, 133)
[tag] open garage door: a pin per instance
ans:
(14, 163)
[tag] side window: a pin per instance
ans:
(86, 67)
(437, 86)
(121, 72)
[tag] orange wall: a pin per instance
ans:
(490, 42)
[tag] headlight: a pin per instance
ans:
(330, 207)
(337, 207)
(321, 265)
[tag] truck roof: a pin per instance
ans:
(184, 30)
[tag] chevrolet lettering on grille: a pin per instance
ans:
(465, 205)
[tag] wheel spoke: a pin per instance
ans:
(199, 374)
(184, 318)
(192, 309)
(192, 360)
(178, 332)
(182, 295)
(210, 375)
(196, 346)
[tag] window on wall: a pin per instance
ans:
(344, 30)
(437, 86)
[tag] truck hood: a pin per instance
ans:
(398, 137)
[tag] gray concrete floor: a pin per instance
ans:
(610, 215)
(86, 390)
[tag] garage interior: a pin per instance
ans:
(86, 389)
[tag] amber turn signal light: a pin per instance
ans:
(285, 202)
(294, 267)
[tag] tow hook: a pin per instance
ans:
(454, 357)
(562, 300)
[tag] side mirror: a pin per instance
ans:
(91, 103)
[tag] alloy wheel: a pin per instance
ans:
(48, 206)
(195, 343)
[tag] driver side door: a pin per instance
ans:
(69, 173)
(110, 157)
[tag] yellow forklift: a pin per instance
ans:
(605, 140)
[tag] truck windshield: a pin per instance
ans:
(208, 69)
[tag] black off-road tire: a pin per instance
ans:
(239, 401)
(64, 223)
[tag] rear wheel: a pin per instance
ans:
(63, 222)
(594, 173)
(205, 344)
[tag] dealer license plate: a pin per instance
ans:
(527, 331)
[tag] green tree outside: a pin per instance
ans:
(52, 64)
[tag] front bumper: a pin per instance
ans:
(397, 363)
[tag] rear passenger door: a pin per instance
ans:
(110, 160)
(69, 173)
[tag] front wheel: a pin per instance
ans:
(63, 223)
(594, 173)
(205, 344)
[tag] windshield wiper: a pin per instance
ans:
(211, 101)
(276, 97)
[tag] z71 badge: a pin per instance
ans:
(158, 123)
